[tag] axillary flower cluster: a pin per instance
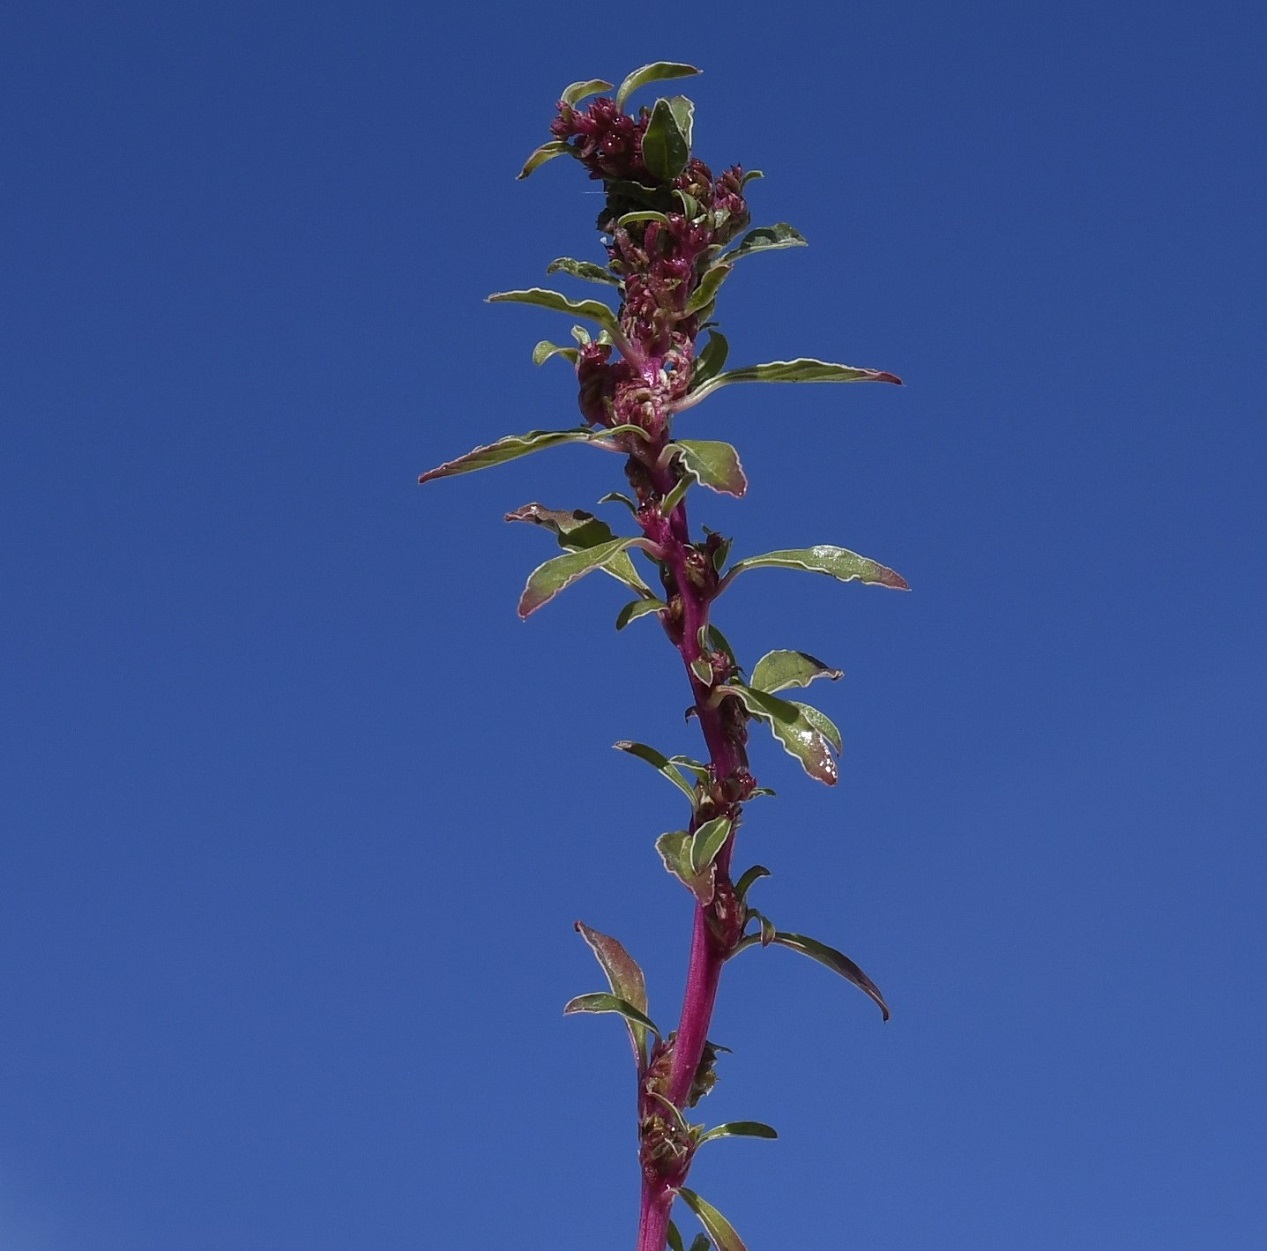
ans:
(672, 233)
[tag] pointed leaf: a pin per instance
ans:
(720, 1230)
(706, 293)
(641, 215)
(547, 580)
(675, 850)
(710, 361)
(766, 239)
(509, 448)
(803, 369)
(595, 310)
(701, 1243)
(661, 763)
(625, 978)
(675, 1238)
(545, 349)
(712, 464)
(836, 562)
(638, 608)
(578, 91)
(835, 960)
(749, 877)
(684, 114)
(776, 671)
(707, 841)
(665, 149)
(822, 723)
(546, 152)
(740, 1129)
(658, 71)
(582, 269)
(799, 736)
(751, 176)
(577, 529)
(597, 1002)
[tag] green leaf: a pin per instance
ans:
(767, 239)
(578, 91)
(739, 1129)
(701, 1243)
(751, 176)
(706, 293)
(835, 960)
(675, 850)
(675, 1238)
(547, 580)
(578, 529)
(625, 978)
(767, 930)
(684, 115)
(598, 1002)
(582, 269)
(711, 359)
(776, 671)
(702, 670)
(546, 152)
(638, 608)
(595, 310)
(798, 734)
(749, 877)
(719, 1228)
(642, 215)
(510, 448)
(835, 562)
(658, 71)
(615, 497)
(822, 723)
(707, 841)
(665, 149)
(712, 464)
(545, 349)
(721, 643)
(661, 763)
(675, 496)
(803, 369)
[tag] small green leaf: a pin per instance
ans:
(711, 359)
(547, 580)
(768, 931)
(665, 149)
(675, 850)
(545, 349)
(803, 369)
(719, 641)
(656, 72)
(595, 310)
(582, 269)
(749, 877)
(707, 841)
(661, 763)
(767, 239)
(719, 1228)
(642, 215)
(822, 723)
(697, 767)
(706, 293)
(835, 960)
(739, 1129)
(597, 1002)
(509, 448)
(776, 671)
(546, 152)
(835, 562)
(702, 670)
(751, 176)
(582, 336)
(638, 608)
(676, 496)
(615, 497)
(684, 115)
(675, 1238)
(578, 91)
(712, 464)
(577, 529)
(625, 978)
(701, 1243)
(799, 736)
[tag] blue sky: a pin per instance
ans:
(297, 815)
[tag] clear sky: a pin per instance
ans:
(296, 815)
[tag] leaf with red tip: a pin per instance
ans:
(625, 978)
(835, 960)
(806, 738)
(547, 580)
(836, 562)
(803, 369)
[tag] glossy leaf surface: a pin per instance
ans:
(750, 876)
(720, 1230)
(545, 349)
(767, 239)
(712, 358)
(547, 580)
(797, 734)
(546, 152)
(706, 293)
(582, 269)
(657, 71)
(835, 960)
(740, 1129)
(598, 1002)
(509, 448)
(712, 464)
(675, 851)
(803, 369)
(707, 841)
(586, 87)
(665, 148)
(638, 608)
(776, 671)
(576, 529)
(661, 763)
(595, 310)
(625, 978)
(835, 562)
